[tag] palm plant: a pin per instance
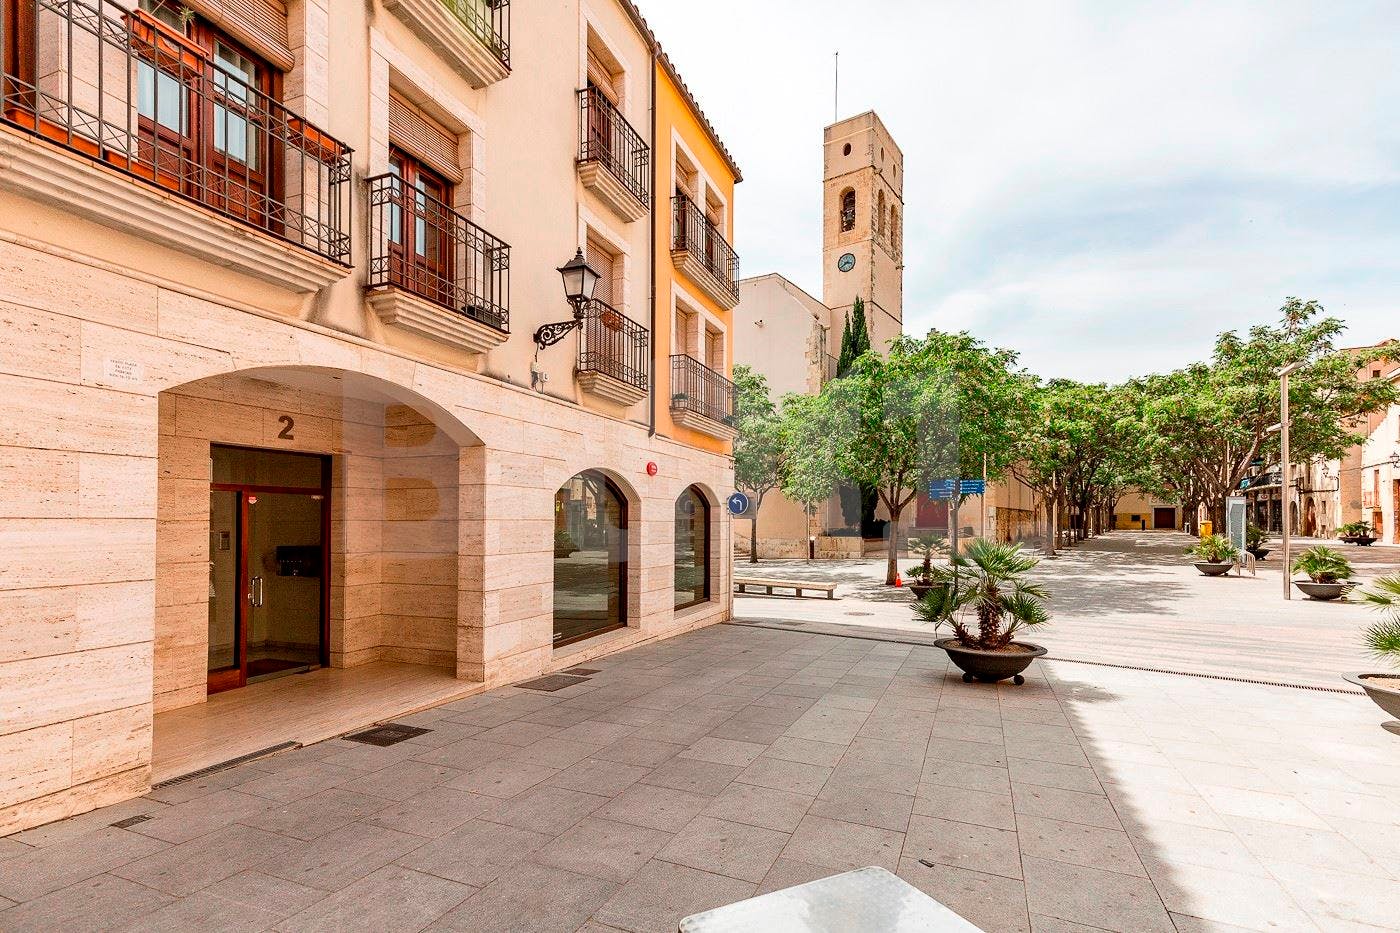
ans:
(1383, 638)
(985, 595)
(926, 546)
(1216, 549)
(1323, 565)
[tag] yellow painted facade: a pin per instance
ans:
(688, 157)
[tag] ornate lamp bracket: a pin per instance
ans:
(549, 334)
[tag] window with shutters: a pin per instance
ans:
(609, 268)
(421, 230)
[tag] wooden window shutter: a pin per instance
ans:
(419, 134)
(605, 264)
(601, 76)
(261, 25)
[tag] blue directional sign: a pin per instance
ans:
(972, 487)
(738, 504)
(941, 489)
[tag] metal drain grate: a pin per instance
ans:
(130, 821)
(552, 682)
(224, 765)
(389, 733)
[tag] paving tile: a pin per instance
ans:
(737, 850)
(519, 733)
(843, 846)
(1090, 846)
(598, 776)
(964, 845)
(513, 904)
(342, 857)
(991, 902)
(544, 809)
(807, 751)
(277, 896)
(464, 755)
(206, 912)
(501, 778)
(606, 849)
(892, 776)
(1052, 774)
(11, 847)
(1067, 805)
(401, 780)
(697, 777)
(553, 752)
(295, 783)
(1225, 896)
(990, 778)
(965, 806)
(318, 814)
(760, 806)
(74, 826)
(977, 753)
(475, 853)
(1189, 924)
(646, 753)
(1339, 899)
(1186, 844)
(1256, 805)
(761, 733)
(185, 868)
(662, 893)
(1106, 899)
(43, 870)
(664, 808)
(824, 723)
(883, 809)
(389, 898)
(431, 813)
(365, 758)
(95, 904)
(787, 873)
(201, 816)
(596, 733)
(1041, 924)
(899, 751)
(1300, 845)
(785, 775)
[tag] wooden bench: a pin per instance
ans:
(742, 584)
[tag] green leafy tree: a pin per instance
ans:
(759, 447)
(1207, 423)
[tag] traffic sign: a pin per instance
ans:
(738, 504)
(972, 487)
(941, 488)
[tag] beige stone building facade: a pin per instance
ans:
(293, 385)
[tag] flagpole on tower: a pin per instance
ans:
(836, 91)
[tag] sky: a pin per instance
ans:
(1100, 186)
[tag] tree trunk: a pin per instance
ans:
(892, 565)
(753, 531)
(1052, 514)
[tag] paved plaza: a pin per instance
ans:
(738, 759)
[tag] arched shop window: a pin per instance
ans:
(692, 549)
(590, 558)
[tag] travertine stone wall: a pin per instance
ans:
(115, 383)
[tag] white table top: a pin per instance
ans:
(868, 900)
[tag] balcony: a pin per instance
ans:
(471, 35)
(701, 399)
(432, 271)
(614, 357)
(700, 250)
(613, 161)
(118, 118)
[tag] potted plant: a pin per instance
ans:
(986, 598)
(1217, 555)
(563, 544)
(1254, 541)
(1327, 570)
(921, 574)
(1357, 533)
(1383, 639)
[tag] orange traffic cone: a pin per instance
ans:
(898, 580)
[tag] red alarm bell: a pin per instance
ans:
(651, 468)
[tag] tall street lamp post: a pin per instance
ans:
(1287, 490)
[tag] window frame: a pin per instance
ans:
(708, 544)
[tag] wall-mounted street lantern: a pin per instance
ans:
(580, 279)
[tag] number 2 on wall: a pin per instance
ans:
(287, 423)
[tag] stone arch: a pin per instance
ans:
(396, 467)
(880, 213)
(847, 210)
(688, 542)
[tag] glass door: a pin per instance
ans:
(268, 521)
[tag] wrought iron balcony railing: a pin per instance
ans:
(488, 20)
(606, 137)
(692, 231)
(419, 244)
(613, 344)
(698, 388)
(123, 88)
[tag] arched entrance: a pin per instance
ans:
(590, 558)
(307, 520)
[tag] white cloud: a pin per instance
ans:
(1101, 186)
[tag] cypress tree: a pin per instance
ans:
(860, 333)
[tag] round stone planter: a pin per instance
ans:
(990, 666)
(920, 590)
(1384, 696)
(1260, 553)
(1213, 569)
(1322, 591)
